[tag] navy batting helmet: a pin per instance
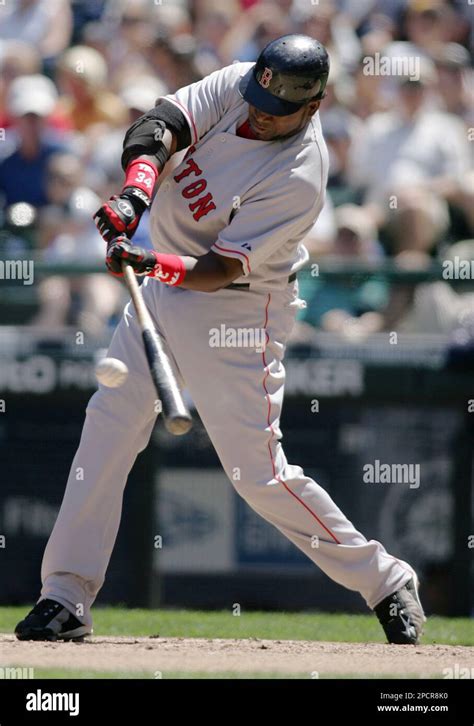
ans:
(290, 72)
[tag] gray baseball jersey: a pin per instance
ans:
(248, 199)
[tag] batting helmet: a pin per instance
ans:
(290, 72)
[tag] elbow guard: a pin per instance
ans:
(146, 134)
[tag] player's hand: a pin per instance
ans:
(120, 215)
(142, 260)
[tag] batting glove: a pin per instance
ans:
(142, 260)
(120, 215)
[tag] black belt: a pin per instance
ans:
(246, 285)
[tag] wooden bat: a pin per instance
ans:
(177, 418)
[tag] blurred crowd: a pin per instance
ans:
(398, 119)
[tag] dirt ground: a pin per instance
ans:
(188, 655)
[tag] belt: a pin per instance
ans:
(246, 285)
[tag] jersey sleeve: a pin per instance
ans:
(205, 102)
(263, 224)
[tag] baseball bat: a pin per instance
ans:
(177, 418)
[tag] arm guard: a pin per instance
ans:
(146, 134)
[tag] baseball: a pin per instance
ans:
(111, 372)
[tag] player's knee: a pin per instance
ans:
(253, 488)
(131, 402)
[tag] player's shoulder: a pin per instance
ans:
(238, 68)
(231, 75)
(226, 84)
(312, 160)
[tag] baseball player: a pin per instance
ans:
(227, 226)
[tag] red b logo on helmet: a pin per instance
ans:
(266, 77)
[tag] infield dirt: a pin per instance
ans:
(154, 654)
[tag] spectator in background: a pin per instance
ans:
(431, 22)
(340, 126)
(44, 24)
(16, 59)
(409, 162)
(462, 32)
(29, 144)
(253, 30)
(381, 34)
(344, 307)
(136, 24)
(86, 100)
(339, 131)
(20, 59)
(174, 18)
(84, 12)
(172, 60)
(132, 26)
(455, 81)
(68, 235)
(356, 10)
(368, 97)
(332, 29)
(212, 26)
(431, 307)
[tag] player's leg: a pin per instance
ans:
(238, 393)
(117, 427)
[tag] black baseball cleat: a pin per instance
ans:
(49, 620)
(401, 615)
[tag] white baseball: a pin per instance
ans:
(111, 372)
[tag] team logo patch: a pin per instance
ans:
(266, 77)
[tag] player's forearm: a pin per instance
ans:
(143, 170)
(122, 213)
(209, 272)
